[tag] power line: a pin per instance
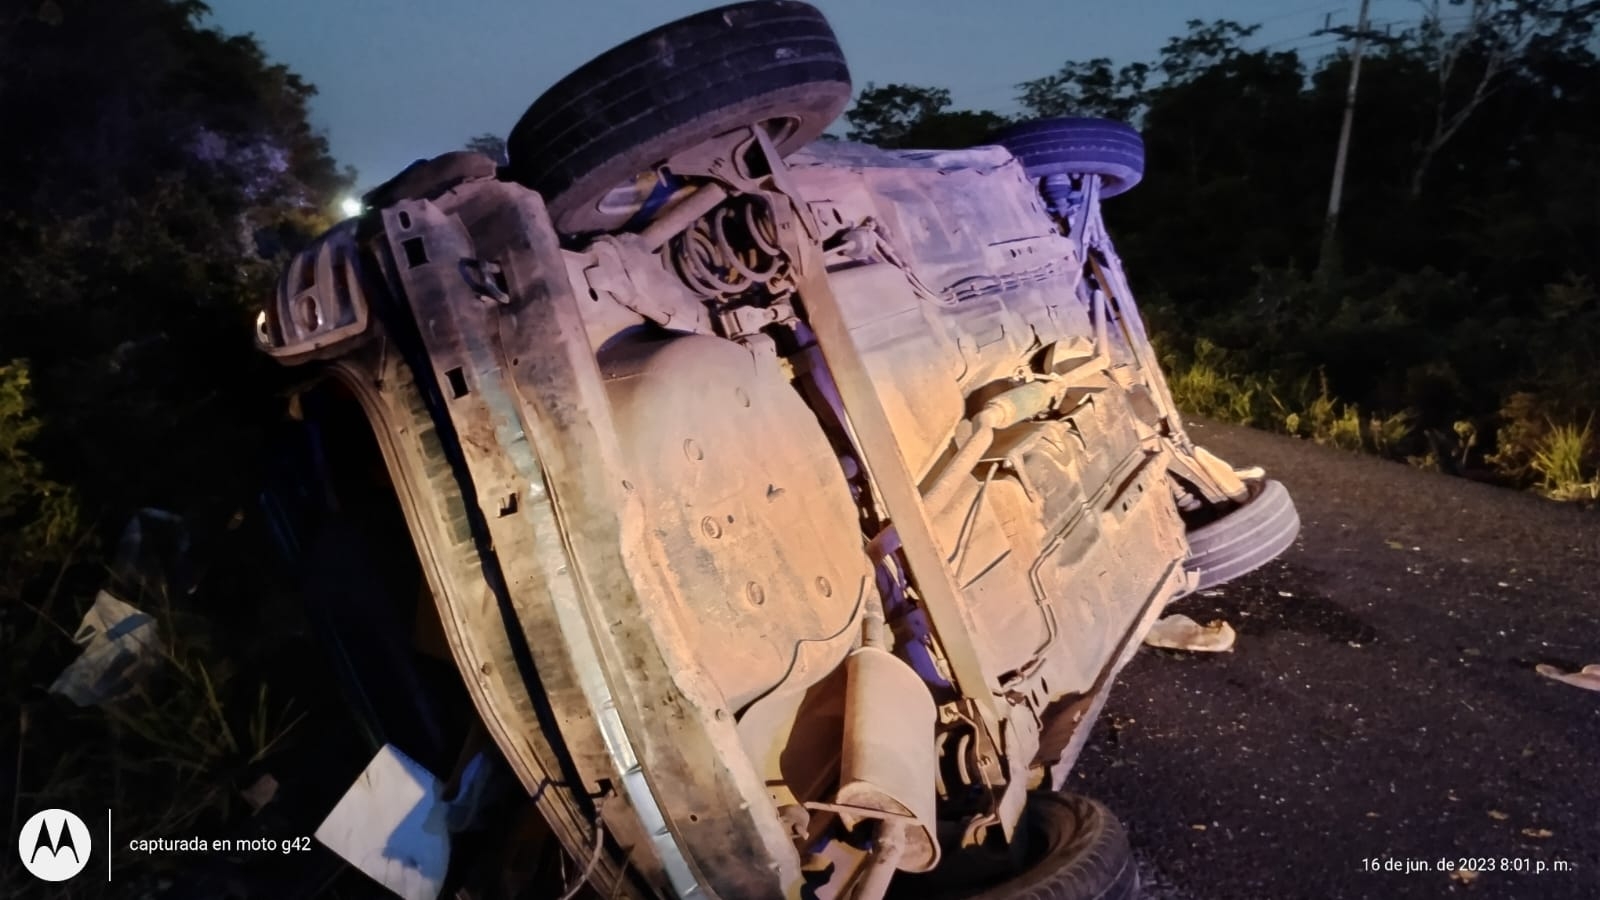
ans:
(1319, 45)
(1289, 40)
(1322, 8)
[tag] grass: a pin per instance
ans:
(1533, 449)
(1208, 384)
(193, 726)
(1561, 459)
(170, 756)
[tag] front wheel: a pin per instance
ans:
(1245, 539)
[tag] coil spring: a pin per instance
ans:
(1059, 194)
(1188, 500)
(731, 250)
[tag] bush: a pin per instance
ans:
(1562, 460)
(38, 516)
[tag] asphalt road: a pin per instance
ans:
(1381, 706)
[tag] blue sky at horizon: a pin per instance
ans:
(403, 79)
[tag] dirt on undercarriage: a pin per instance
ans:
(1379, 722)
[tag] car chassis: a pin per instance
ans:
(703, 549)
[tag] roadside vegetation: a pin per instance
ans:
(154, 172)
(1454, 318)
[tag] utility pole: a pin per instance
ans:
(1336, 195)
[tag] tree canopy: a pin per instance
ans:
(153, 169)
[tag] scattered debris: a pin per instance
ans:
(120, 648)
(1179, 632)
(259, 794)
(391, 825)
(1497, 815)
(1465, 876)
(1587, 678)
(1540, 833)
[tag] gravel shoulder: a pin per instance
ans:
(1381, 706)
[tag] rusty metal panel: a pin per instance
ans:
(711, 802)
(427, 485)
(750, 516)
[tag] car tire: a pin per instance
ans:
(668, 90)
(1078, 146)
(1067, 847)
(1075, 850)
(1245, 539)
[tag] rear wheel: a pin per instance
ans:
(591, 142)
(1078, 146)
(1067, 848)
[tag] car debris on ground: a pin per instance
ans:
(1179, 632)
(1587, 678)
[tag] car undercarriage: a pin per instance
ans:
(786, 506)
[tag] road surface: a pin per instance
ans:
(1381, 708)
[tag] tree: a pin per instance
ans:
(37, 514)
(1228, 184)
(490, 145)
(1090, 88)
(952, 130)
(885, 115)
(149, 159)
(908, 116)
(1206, 47)
(1473, 59)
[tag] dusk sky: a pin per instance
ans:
(402, 79)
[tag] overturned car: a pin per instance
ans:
(784, 507)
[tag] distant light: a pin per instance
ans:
(350, 206)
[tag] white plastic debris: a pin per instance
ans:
(1179, 632)
(1587, 678)
(120, 647)
(392, 824)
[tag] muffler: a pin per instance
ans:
(888, 769)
